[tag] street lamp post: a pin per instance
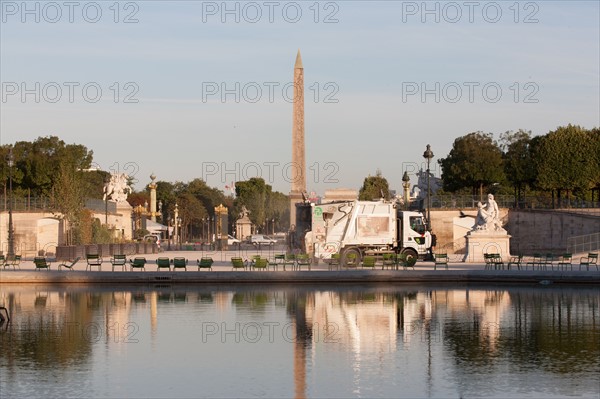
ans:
(179, 234)
(428, 154)
(175, 222)
(11, 231)
(169, 221)
(273, 226)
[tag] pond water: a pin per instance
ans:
(300, 341)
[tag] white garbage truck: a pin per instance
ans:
(358, 227)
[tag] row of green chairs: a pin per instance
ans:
(388, 260)
(182, 263)
(285, 261)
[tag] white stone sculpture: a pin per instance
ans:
(488, 216)
(117, 188)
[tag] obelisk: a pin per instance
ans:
(298, 168)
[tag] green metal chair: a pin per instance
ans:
(290, 260)
(515, 261)
(41, 263)
(205, 263)
(351, 261)
(302, 260)
(69, 265)
(180, 263)
(565, 261)
(237, 263)
(536, 260)
(278, 259)
(162, 263)
(137, 263)
(93, 260)
(369, 262)
(389, 261)
(590, 260)
(119, 261)
(406, 261)
(260, 263)
(440, 260)
(334, 262)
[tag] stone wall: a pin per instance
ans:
(531, 230)
(547, 230)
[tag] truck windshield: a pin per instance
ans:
(416, 223)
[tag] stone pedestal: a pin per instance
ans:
(123, 222)
(482, 242)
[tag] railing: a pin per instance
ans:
(582, 244)
(33, 204)
(45, 204)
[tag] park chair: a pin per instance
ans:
(590, 260)
(369, 262)
(334, 262)
(389, 260)
(69, 265)
(260, 263)
(536, 260)
(180, 263)
(14, 262)
(137, 263)
(41, 263)
(351, 260)
(118, 261)
(237, 263)
(404, 261)
(93, 260)
(278, 259)
(290, 260)
(205, 263)
(516, 261)
(302, 260)
(565, 261)
(162, 263)
(489, 261)
(549, 261)
(497, 261)
(440, 260)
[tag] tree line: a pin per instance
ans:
(563, 164)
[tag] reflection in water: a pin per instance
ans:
(323, 341)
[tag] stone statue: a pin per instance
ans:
(117, 188)
(488, 216)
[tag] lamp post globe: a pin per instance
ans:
(428, 154)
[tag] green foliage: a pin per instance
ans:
(567, 159)
(101, 234)
(475, 161)
(374, 187)
(518, 161)
(264, 205)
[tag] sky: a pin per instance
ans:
(193, 89)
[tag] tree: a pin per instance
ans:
(374, 187)
(475, 161)
(253, 195)
(68, 197)
(518, 161)
(567, 160)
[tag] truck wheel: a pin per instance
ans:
(411, 257)
(351, 257)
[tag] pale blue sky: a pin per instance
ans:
(369, 61)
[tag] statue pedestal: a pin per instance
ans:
(482, 242)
